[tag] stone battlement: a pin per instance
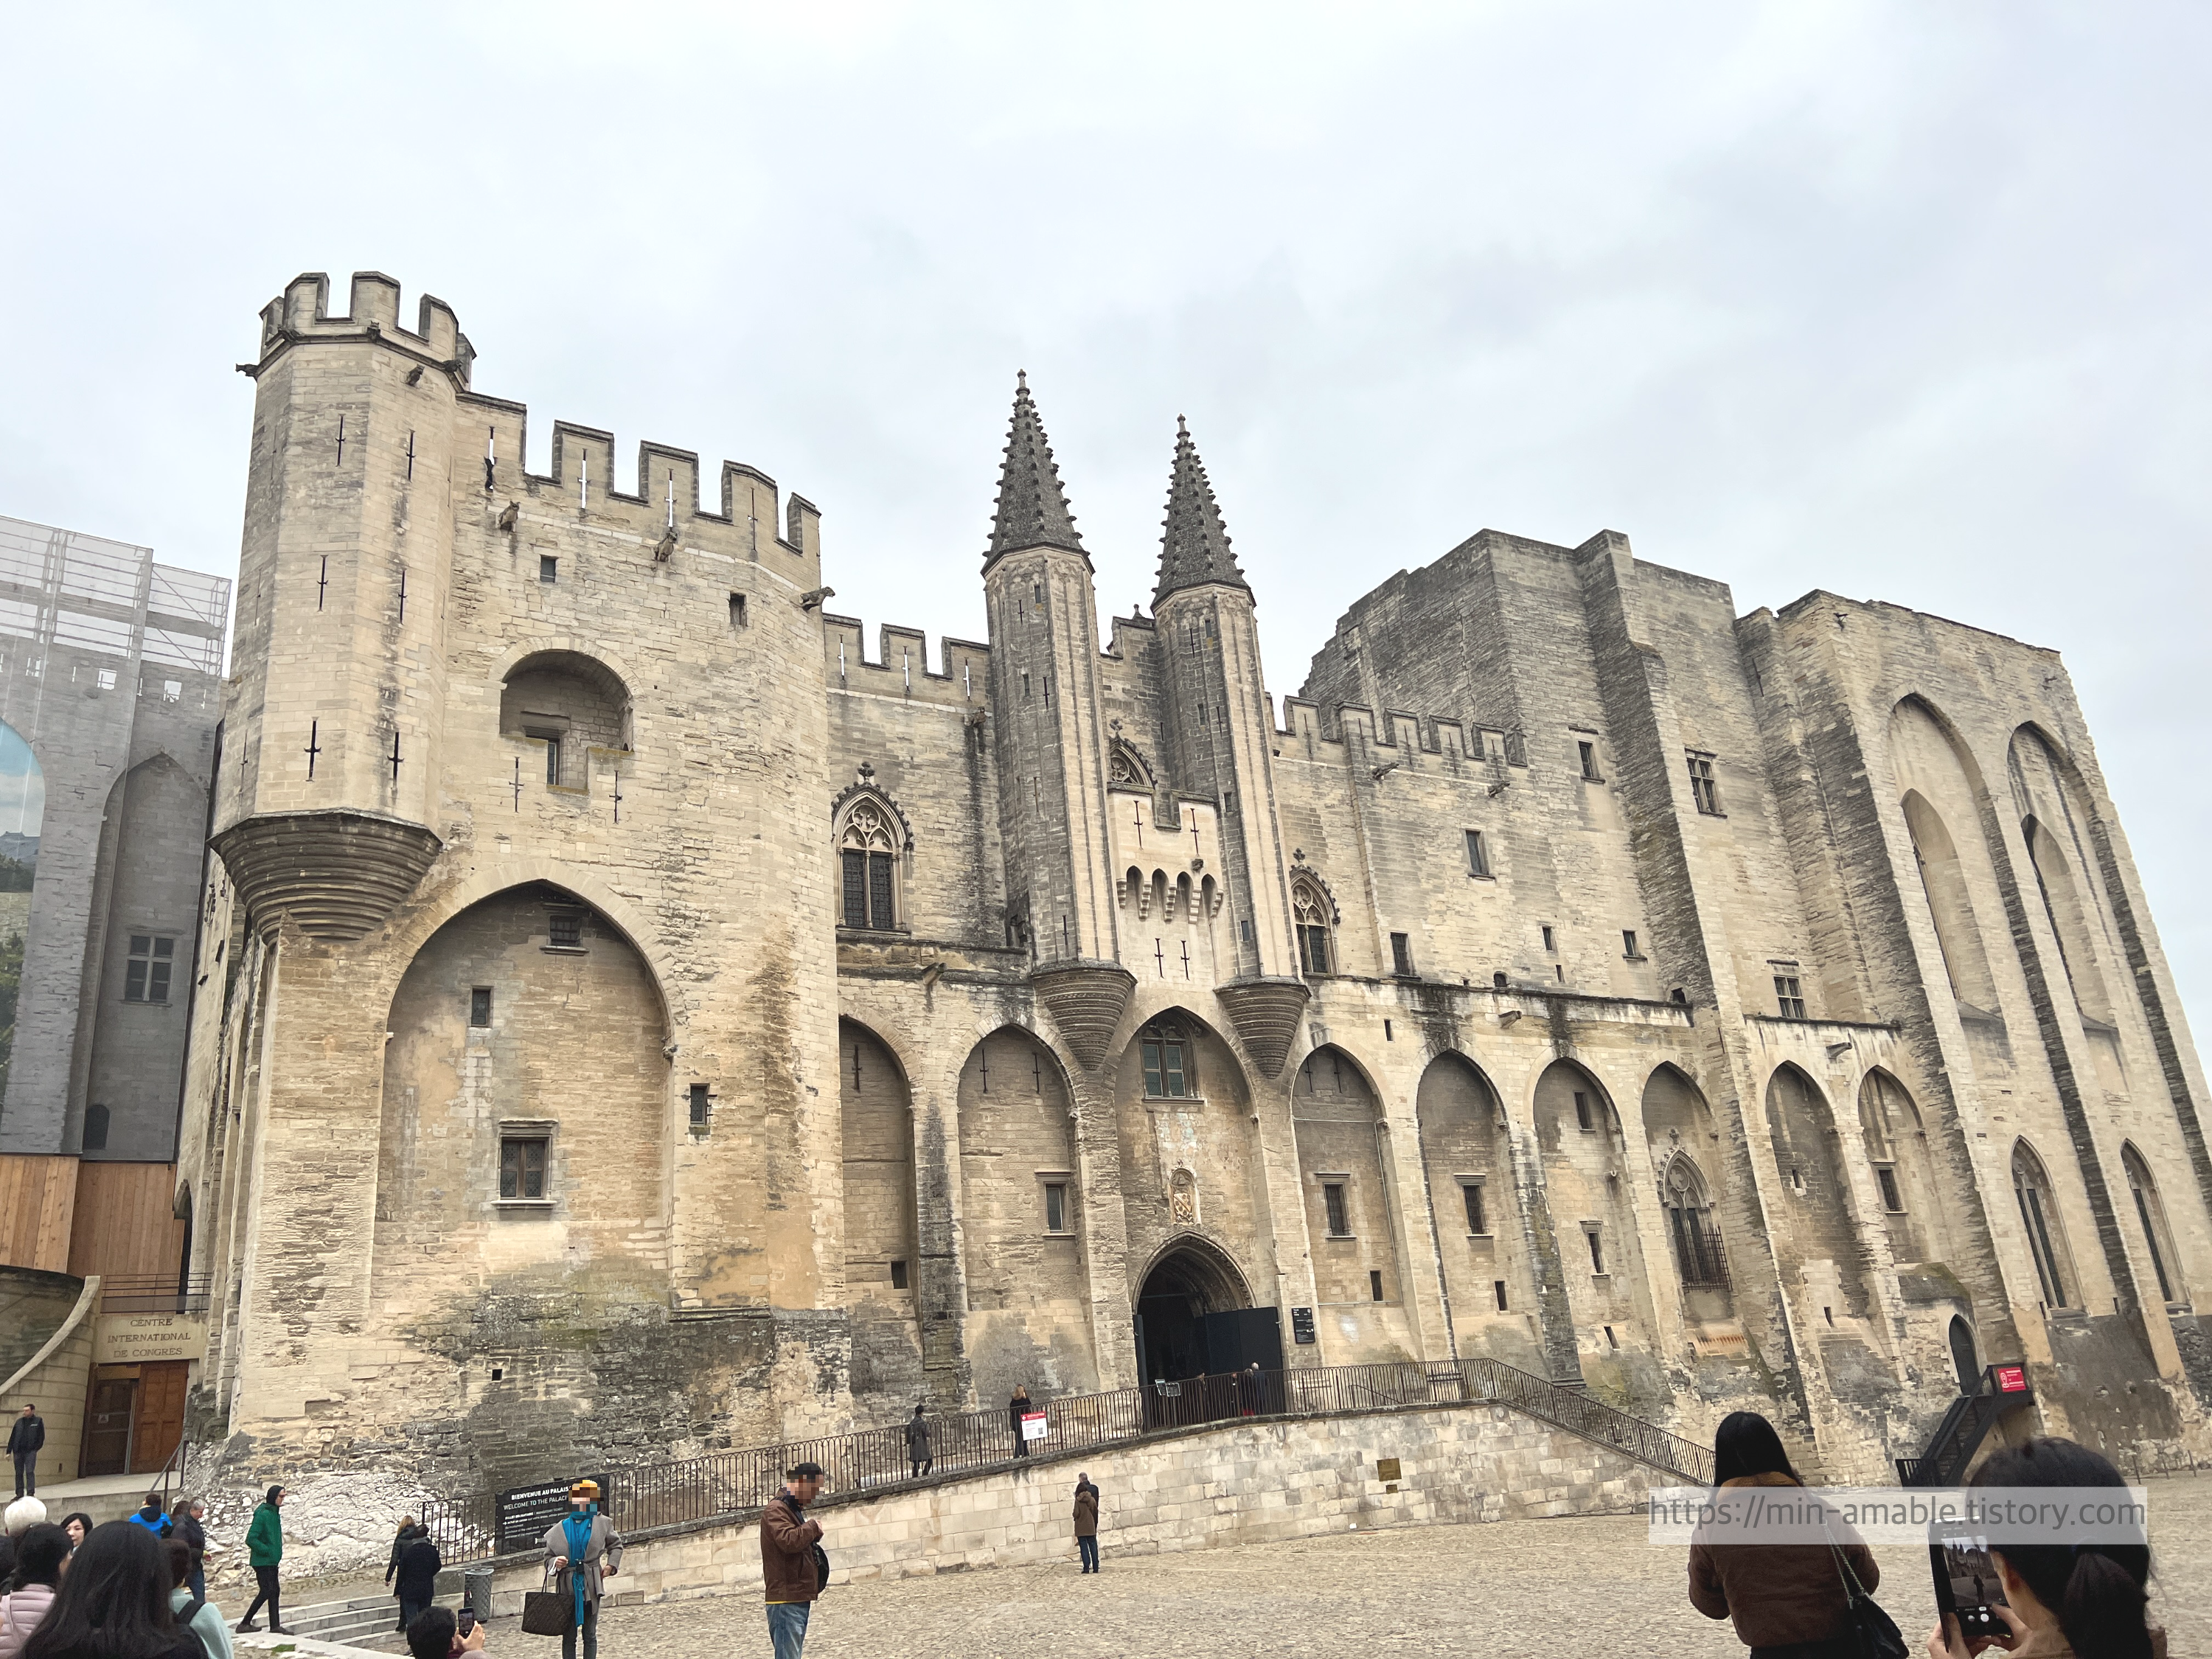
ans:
(901, 665)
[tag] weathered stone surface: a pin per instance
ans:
(1574, 975)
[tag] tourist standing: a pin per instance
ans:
(583, 1551)
(27, 1438)
(1086, 1522)
(2062, 1599)
(39, 1552)
(793, 1567)
(1779, 1595)
(193, 1613)
(264, 1548)
(78, 1525)
(419, 1566)
(402, 1541)
(918, 1459)
(1017, 1408)
(114, 1603)
(187, 1519)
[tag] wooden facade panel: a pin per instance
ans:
(124, 1227)
(36, 1197)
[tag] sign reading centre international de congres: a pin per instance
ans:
(141, 1339)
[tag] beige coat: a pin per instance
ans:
(603, 1549)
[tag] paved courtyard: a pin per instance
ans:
(1521, 1590)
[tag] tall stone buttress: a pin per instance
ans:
(1219, 727)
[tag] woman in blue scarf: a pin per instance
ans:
(585, 1540)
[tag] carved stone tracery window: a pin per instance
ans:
(1310, 914)
(867, 850)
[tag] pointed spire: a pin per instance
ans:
(1195, 548)
(1032, 507)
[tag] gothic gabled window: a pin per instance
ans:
(1310, 915)
(1168, 1075)
(867, 855)
(2039, 1219)
(1690, 1218)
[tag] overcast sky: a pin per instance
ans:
(1906, 301)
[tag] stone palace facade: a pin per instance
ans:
(644, 1018)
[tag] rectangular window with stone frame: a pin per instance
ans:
(146, 974)
(522, 1159)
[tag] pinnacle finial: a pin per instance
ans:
(1032, 510)
(1194, 549)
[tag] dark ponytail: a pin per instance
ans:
(2096, 1589)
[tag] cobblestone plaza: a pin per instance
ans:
(1515, 1589)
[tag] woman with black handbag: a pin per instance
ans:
(1787, 1601)
(579, 1552)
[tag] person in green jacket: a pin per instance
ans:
(264, 1548)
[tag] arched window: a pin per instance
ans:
(867, 849)
(2038, 1214)
(2152, 1213)
(1169, 1073)
(1689, 1221)
(1309, 914)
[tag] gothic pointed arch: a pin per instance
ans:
(2158, 1234)
(1127, 767)
(1815, 1195)
(2045, 1227)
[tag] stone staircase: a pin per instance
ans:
(363, 1621)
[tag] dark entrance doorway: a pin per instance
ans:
(1195, 1318)
(1964, 1359)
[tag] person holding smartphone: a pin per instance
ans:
(437, 1634)
(2060, 1601)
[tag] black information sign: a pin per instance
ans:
(1301, 1325)
(523, 1513)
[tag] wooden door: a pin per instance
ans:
(107, 1426)
(159, 1418)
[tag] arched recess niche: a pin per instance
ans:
(519, 1143)
(569, 703)
(1941, 804)
(1685, 1147)
(1814, 1200)
(875, 1115)
(1896, 1141)
(1585, 1155)
(1351, 1228)
(1481, 1231)
(1190, 1152)
(1023, 1221)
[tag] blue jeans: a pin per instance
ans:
(787, 1627)
(1088, 1549)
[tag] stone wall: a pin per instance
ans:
(1194, 1490)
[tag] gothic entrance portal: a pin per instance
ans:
(1195, 1318)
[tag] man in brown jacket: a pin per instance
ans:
(1086, 1522)
(793, 1568)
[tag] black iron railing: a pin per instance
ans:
(152, 1293)
(732, 1484)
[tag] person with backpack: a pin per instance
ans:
(1781, 1597)
(2061, 1600)
(794, 1568)
(918, 1459)
(41, 1549)
(27, 1438)
(582, 1551)
(114, 1603)
(151, 1516)
(193, 1614)
(265, 1549)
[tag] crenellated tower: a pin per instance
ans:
(326, 806)
(1038, 589)
(1219, 728)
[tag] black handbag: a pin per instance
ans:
(1872, 1633)
(547, 1612)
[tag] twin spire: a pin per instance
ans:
(1033, 510)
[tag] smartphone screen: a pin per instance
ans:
(1967, 1585)
(466, 1619)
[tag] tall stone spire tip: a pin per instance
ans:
(1194, 544)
